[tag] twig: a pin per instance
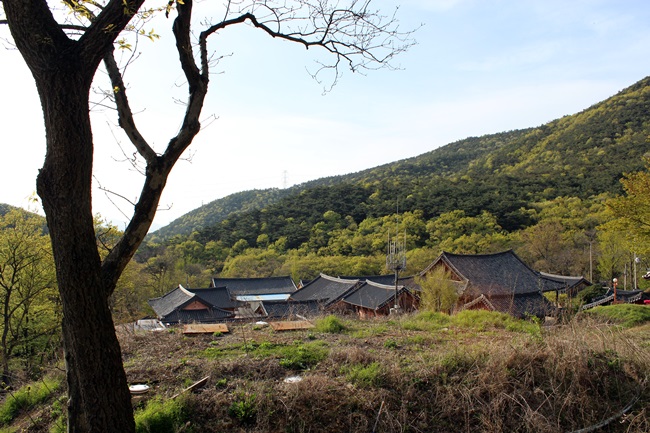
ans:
(374, 428)
(611, 418)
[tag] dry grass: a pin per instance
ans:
(391, 376)
(394, 376)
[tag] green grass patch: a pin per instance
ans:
(330, 325)
(244, 408)
(426, 321)
(370, 330)
(364, 375)
(160, 416)
(481, 320)
(627, 315)
(303, 356)
(296, 356)
(26, 397)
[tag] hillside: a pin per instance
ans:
(580, 155)
(216, 211)
(474, 371)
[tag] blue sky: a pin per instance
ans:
(480, 67)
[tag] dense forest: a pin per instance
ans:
(581, 156)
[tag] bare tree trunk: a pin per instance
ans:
(99, 399)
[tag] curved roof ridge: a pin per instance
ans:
(184, 290)
(509, 250)
(383, 286)
(339, 280)
(548, 274)
(252, 278)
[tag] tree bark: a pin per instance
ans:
(99, 399)
(63, 69)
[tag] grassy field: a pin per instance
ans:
(472, 372)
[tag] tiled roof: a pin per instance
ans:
(324, 289)
(493, 274)
(522, 305)
(169, 308)
(216, 296)
(561, 282)
(210, 315)
(287, 309)
(387, 279)
(372, 295)
(528, 304)
(256, 286)
(171, 301)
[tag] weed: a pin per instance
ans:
(480, 320)
(26, 397)
(364, 375)
(330, 324)
(244, 408)
(58, 413)
(160, 416)
(371, 331)
(390, 344)
(303, 356)
(426, 321)
(627, 315)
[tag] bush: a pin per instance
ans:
(364, 375)
(244, 408)
(426, 321)
(627, 315)
(303, 356)
(330, 324)
(589, 294)
(26, 397)
(481, 320)
(161, 416)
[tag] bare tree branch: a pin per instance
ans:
(125, 115)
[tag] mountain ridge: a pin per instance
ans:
(583, 154)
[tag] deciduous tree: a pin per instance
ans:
(439, 292)
(63, 58)
(27, 286)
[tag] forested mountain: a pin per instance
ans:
(216, 211)
(4, 208)
(580, 155)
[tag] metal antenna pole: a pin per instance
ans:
(396, 260)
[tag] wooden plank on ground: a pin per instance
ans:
(195, 386)
(290, 326)
(205, 328)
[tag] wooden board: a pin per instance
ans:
(290, 326)
(205, 328)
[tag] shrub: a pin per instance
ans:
(481, 320)
(244, 408)
(426, 321)
(364, 375)
(26, 397)
(439, 292)
(591, 293)
(330, 324)
(390, 344)
(303, 356)
(161, 416)
(627, 315)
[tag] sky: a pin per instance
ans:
(479, 67)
